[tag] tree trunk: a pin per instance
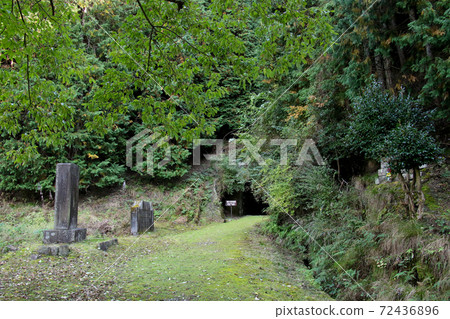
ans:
(388, 73)
(428, 50)
(412, 17)
(367, 54)
(401, 54)
(419, 192)
(379, 68)
(409, 198)
(241, 204)
(338, 169)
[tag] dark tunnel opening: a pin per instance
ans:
(246, 204)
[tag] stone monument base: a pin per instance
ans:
(64, 235)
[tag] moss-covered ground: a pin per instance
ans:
(220, 261)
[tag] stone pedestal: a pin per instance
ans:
(66, 207)
(64, 235)
(142, 218)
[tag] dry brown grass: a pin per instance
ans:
(397, 242)
(437, 255)
(110, 214)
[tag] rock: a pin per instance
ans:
(35, 256)
(9, 248)
(54, 250)
(12, 248)
(64, 251)
(44, 250)
(371, 166)
(106, 244)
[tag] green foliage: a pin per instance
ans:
(346, 252)
(99, 158)
(402, 44)
(408, 147)
(316, 187)
(39, 63)
(77, 73)
(277, 184)
(233, 177)
(292, 190)
(392, 127)
(330, 226)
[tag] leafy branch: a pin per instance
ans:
(27, 55)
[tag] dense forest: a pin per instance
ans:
(368, 81)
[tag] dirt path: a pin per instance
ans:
(222, 261)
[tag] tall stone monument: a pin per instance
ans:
(142, 217)
(66, 207)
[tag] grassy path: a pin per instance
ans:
(229, 261)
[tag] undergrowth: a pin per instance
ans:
(359, 242)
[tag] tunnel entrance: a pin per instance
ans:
(246, 204)
(225, 132)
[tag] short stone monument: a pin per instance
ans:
(383, 173)
(106, 244)
(62, 250)
(142, 217)
(66, 207)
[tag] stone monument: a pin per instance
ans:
(66, 207)
(142, 217)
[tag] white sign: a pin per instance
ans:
(230, 203)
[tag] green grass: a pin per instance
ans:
(22, 222)
(222, 261)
